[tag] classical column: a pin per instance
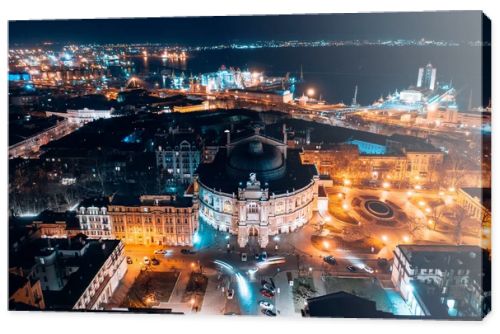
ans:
(242, 236)
(263, 236)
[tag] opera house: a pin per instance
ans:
(256, 187)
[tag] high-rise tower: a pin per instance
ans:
(427, 77)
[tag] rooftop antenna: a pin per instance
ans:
(301, 73)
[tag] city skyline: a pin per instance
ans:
(211, 30)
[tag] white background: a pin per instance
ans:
(52, 322)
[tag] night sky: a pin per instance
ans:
(456, 26)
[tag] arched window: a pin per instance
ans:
(227, 206)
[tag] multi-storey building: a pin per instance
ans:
(399, 160)
(93, 217)
(476, 202)
(154, 219)
(179, 160)
(72, 273)
(256, 187)
(443, 280)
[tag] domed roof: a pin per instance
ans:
(255, 156)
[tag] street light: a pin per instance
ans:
(326, 244)
(406, 239)
(386, 185)
(384, 238)
(310, 92)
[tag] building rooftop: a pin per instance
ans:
(444, 257)
(88, 266)
(152, 200)
(16, 282)
(99, 202)
(344, 305)
(295, 177)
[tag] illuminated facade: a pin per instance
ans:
(256, 187)
(230, 79)
(93, 217)
(154, 220)
(427, 77)
(360, 162)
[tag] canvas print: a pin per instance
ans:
(274, 166)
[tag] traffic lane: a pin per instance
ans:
(292, 262)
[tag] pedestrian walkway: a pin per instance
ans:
(123, 288)
(284, 299)
(215, 300)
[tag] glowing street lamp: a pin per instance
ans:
(421, 203)
(347, 182)
(345, 206)
(310, 92)
(326, 244)
(406, 238)
(386, 185)
(384, 238)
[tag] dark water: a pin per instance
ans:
(334, 71)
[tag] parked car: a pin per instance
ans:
(269, 287)
(368, 269)
(381, 262)
(263, 256)
(160, 251)
(244, 257)
(269, 313)
(129, 260)
(266, 293)
(155, 261)
(146, 260)
(186, 251)
(230, 293)
(266, 305)
(330, 260)
(257, 256)
(351, 268)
